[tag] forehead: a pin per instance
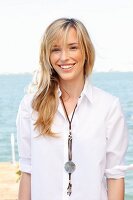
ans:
(66, 37)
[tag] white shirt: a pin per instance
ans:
(99, 145)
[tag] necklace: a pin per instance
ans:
(69, 165)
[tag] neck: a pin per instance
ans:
(72, 89)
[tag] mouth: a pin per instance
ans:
(67, 66)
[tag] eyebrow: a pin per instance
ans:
(55, 45)
(70, 44)
(73, 43)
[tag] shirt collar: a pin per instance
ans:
(87, 90)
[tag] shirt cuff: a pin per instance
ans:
(115, 172)
(118, 171)
(25, 165)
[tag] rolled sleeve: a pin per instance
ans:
(117, 141)
(24, 136)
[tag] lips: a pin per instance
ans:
(67, 66)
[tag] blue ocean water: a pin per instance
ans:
(12, 90)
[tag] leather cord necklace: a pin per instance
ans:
(69, 165)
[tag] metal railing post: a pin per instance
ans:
(13, 148)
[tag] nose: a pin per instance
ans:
(64, 55)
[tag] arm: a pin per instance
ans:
(24, 149)
(24, 187)
(117, 141)
(115, 189)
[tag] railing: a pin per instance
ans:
(13, 148)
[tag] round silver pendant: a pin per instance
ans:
(70, 167)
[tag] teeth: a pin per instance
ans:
(66, 66)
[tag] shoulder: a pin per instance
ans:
(26, 101)
(102, 94)
(107, 103)
(104, 98)
(97, 95)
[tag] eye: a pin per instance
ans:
(74, 47)
(55, 49)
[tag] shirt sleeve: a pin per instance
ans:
(117, 142)
(24, 136)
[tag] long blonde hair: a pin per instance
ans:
(45, 101)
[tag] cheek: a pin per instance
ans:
(81, 60)
(53, 59)
(80, 57)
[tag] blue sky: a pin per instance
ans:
(24, 21)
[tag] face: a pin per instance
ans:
(67, 58)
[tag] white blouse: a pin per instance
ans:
(99, 146)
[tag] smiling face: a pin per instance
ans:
(67, 57)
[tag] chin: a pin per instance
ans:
(67, 78)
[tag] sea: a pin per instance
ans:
(14, 86)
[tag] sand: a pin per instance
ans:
(8, 181)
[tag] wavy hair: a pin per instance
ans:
(45, 101)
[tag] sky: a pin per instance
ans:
(23, 22)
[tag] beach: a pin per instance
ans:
(8, 181)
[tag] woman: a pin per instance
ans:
(72, 136)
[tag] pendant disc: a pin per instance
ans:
(70, 167)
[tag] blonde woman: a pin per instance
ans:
(71, 135)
